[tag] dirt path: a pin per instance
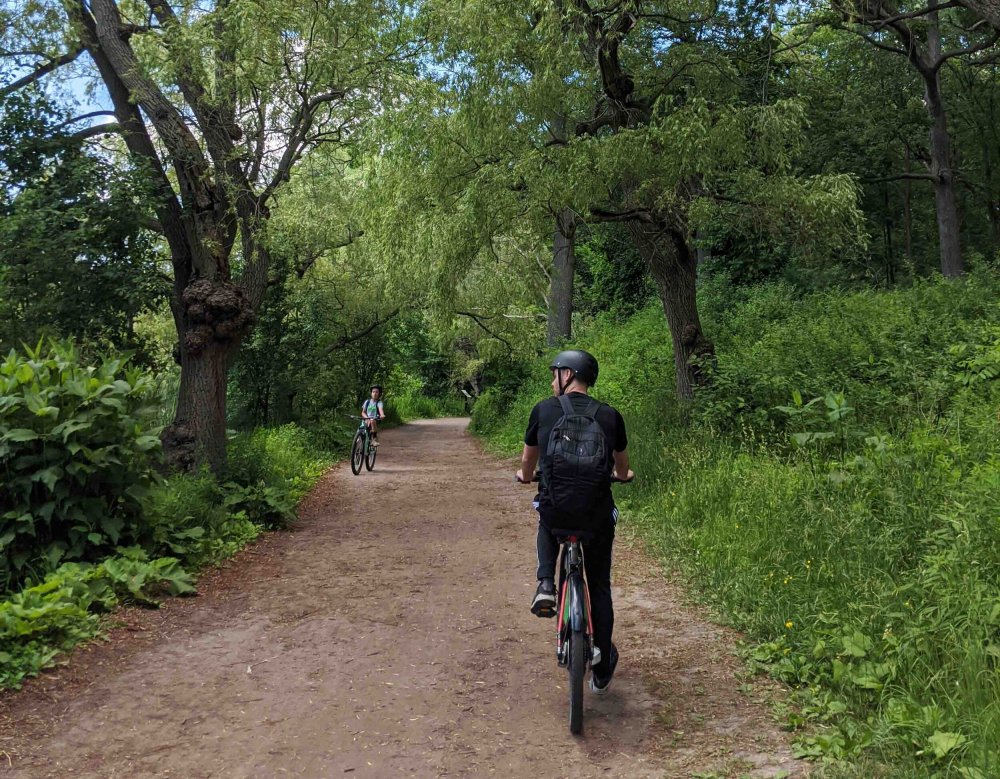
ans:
(388, 635)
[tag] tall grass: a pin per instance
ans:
(856, 540)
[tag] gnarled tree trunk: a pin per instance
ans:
(674, 267)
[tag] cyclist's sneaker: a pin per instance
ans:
(600, 685)
(374, 443)
(544, 604)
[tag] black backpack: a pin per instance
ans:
(576, 466)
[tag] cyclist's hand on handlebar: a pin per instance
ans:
(519, 477)
(628, 477)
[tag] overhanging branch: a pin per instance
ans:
(346, 340)
(479, 321)
(42, 70)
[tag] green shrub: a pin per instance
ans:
(270, 471)
(76, 459)
(186, 517)
(891, 353)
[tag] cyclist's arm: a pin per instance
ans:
(621, 466)
(529, 459)
(381, 410)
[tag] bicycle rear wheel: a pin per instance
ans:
(357, 453)
(577, 670)
(370, 455)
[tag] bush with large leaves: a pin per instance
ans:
(76, 459)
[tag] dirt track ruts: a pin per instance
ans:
(388, 635)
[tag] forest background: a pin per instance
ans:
(775, 225)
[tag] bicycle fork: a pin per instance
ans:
(574, 616)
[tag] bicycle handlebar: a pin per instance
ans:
(538, 477)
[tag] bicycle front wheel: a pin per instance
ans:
(577, 670)
(357, 453)
(370, 455)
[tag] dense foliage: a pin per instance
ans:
(75, 260)
(88, 522)
(75, 458)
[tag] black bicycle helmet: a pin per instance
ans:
(582, 363)
(376, 386)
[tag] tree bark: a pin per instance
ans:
(941, 169)
(987, 9)
(908, 214)
(560, 313)
(674, 267)
(198, 433)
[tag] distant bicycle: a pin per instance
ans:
(363, 449)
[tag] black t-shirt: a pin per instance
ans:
(546, 413)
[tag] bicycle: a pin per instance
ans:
(362, 450)
(575, 647)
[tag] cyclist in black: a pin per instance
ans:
(573, 373)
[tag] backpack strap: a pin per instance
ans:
(592, 408)
(567, 407)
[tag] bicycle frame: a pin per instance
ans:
(574, 600)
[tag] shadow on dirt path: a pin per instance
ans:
(388, 635)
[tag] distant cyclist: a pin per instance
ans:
(575, 494)
(372, 411)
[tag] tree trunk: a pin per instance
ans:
(908, 214)
(992, 205)
(560, 313)
(941, 169)
(198, 433)
(673, 265)
(211, 317)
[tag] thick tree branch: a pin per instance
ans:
(96, 130)
(902, 177)
(914, 14)
(42, 70)
(478, 320)
(974, 49)
(347, 340)
(631, 215)
(139, 144)
(308, 262)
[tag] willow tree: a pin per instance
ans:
(217, 101)
(625, 113)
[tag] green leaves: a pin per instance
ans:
(75, 456)
(943, 742)
(40, 622)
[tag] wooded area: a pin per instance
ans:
(269, 206)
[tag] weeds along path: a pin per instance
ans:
(388, 635)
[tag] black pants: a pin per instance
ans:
(597, 566)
